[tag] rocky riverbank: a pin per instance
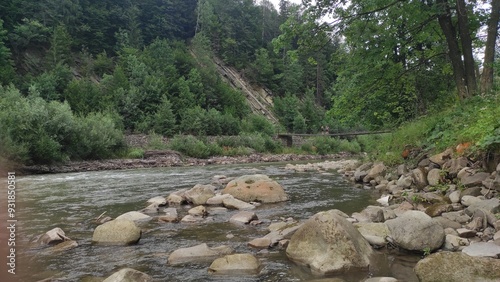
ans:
(446, 208)
(168, 158)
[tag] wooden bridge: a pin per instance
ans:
(288, 137)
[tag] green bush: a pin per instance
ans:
(192, 147)
(257, 124)
(349, 146)
(135, 153)
(326, 145)
(98, 137)
(155, 142)
(39, 132)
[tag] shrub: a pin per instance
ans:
(98, 137)
(155, 142)
(48, 132)
(135, 153)
(192, 147)
(257, 123)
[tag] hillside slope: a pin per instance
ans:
(259, 99)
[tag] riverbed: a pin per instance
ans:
(72, 201)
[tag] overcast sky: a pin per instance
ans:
(276, 2)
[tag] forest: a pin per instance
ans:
(76, 76)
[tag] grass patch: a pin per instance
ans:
(476, 120)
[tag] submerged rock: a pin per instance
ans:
(129, 275)
(53, 237)
(243, 217)
(256, 188)
(260, 243)
(198, 253)
(232, 203)
(171, 215)
(329, 244)
(134, 216)
(235, 265)
(117, 232)
(158, 200)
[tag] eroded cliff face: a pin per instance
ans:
(259, 99)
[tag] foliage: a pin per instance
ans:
(193, 147)
(135, 153)
(164, 119)
(256, 123)
(324, 145)
(440, 130)
(37, 131)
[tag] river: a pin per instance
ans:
(72, 201)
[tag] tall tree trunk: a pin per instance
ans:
(489, 50)
(449, 32)
(466, 42)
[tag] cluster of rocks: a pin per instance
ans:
(444, 205)
(443, 208)
(243, 193)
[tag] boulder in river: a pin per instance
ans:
(117, 232)
(158, 200)
(199, 194)
(416, 231)
(134, 216)
(329, 244)
(243, 217)
(236, 264)
(53, 237)
(453, 266)
(260, 243)
(171, 215)
(198, 253)
(256, 188)
(232, 203)
(129, 275)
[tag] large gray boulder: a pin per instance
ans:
(198, 253)
(236, 264)
(256, 188)
(128, 275)
(416, 231)
(117, 232)
(329, 244)
(452, 266)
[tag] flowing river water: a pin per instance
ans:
(72, 201)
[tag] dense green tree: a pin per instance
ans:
(164, 121)
(60, 46)
(6, 63)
